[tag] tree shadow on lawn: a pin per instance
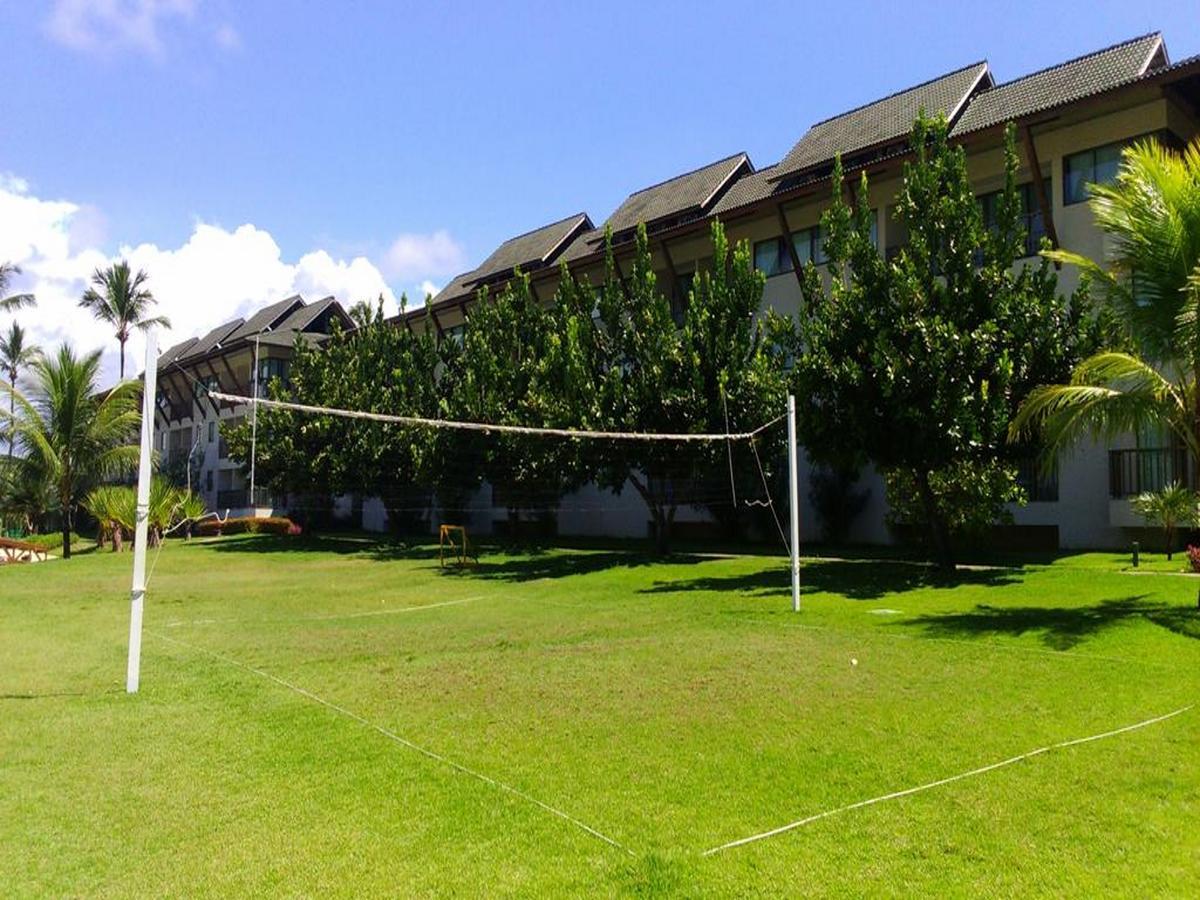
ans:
(530, 565)
(1061, 628)
(853, 580)
(346, 545)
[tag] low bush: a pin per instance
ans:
(1193, 555)
(50, 541)
(279, 525)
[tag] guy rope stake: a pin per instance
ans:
(138, 593)
(794, 500)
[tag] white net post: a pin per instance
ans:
(138, 592)
(794, 500)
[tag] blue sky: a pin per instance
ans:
(418, 136)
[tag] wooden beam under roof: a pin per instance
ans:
(671, 268)
(620, 275)
(1039, 188)
(791, 245)
(436, 324)
(237, 389)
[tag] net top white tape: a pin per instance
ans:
(420, 421)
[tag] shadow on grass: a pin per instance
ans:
(347, 545)
(853, 580)
(499, 562)
(49, 695)
(1060, 628)
(526, 565)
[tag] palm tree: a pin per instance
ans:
(1170, 507)
(1151, 278)
(11, 302)
(77, 435)
(15, 355)
(121, 298)
(114, 507)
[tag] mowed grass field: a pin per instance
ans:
(341, 717)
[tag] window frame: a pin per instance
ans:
(1161, 135)
(1032, 210)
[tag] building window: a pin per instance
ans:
(208, 481)
(680, 297)
(457, 333)
(1096, 166)
(771, 257)
(810, 245)
(205, 384)
(212, 431)
(1030, 215)
(1040, 483)
(272, 368)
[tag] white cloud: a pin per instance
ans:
(105, 27)
(227, 37)
(216, 275)
(417, 256)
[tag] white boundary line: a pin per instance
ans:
(791, 826)
(404, 742)
(325, 618)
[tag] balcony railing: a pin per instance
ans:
(1131, 472)
(240, 499)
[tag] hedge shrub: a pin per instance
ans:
(280, 525)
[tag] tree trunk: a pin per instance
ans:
(938, 532)
(66, 535)
(12, 423)
(121, 341)
(654, 504)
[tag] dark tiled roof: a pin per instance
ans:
(748, 190)
(288, 338)
(883, 121)
(285, 319)
(586, 244)
(532, 249)
(1064, 83)
(210, 341)
(173, 353)
(694, 192)
(460, 285)
(267, 317)
(302, 317)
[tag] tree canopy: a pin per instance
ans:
(918, 363)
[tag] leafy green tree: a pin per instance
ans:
(917, 364)
(1150, 278)
(120, 297)
(26, 494)
(375, 368)
(78, 435)
(16, 355)
(12, 302)
(1168, 508)
(627, 365)
(508, 374)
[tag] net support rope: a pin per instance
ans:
(421, 421)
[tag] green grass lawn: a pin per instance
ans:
(342, 717)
